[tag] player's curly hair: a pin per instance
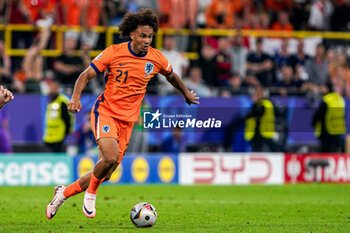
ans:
(143, 17)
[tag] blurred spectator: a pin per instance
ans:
(18, 14)
(33, 62)
(139, 138)
(67, 66)
(278, 5)
(340, 19)
(252, 22)
(73, 17)
(41, 13)
(178, 60)
(260, 123)
(152, 4)
(317, 69)
(251, 80)
(240, 6)
(289, 83)
(58, 121)
(236, 87)
(260, 64)
(201, 14)
(115, 9)
(4, 9)
(223, 61)
(131, 5)
(178, 14)
(5, 141)
(281, 58)
(339, 60)
(195, 83)
(85, 137)
(91, 13)
(283, 23)
(339, 72)
(239, 55)
(164, 13)
(220, 14)
(329, 120)
(299, 14)
(265, 21)
(299, 59)
(320, 13)
(207, 64)
(5, 65)
(175, 143)
(341, 80)
(332, 59)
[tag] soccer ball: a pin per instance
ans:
(143, 215)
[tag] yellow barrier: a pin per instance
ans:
(111, 31)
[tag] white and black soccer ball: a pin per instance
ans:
(143, 215)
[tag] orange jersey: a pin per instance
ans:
(35, 7)
(73, 11)
(93, 12)
(126, 75)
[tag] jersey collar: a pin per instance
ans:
(132, 52)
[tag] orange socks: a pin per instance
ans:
(94, 184)
(73, 189)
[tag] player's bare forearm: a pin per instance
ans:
(74, 105)
(176, 81)
(190, 96)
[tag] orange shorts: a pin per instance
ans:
(104, 126)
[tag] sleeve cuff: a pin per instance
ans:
(95, 68)
(171, 71)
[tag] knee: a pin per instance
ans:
(110, 161)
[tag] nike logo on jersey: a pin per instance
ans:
(122, 64)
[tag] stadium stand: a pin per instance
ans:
(225, 45)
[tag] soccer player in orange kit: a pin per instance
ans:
(128, 68)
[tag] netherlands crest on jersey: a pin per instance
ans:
(149, 67)
(105, 128)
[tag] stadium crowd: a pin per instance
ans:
(226, 65)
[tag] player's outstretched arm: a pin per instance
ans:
(5, 96)
(190, 96)
(74, 105)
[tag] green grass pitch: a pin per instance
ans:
(255, 208)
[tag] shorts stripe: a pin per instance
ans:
(96, 113)
(98, 130)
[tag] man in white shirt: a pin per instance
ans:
(178, 60)
(239, 55)
(320, 13)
